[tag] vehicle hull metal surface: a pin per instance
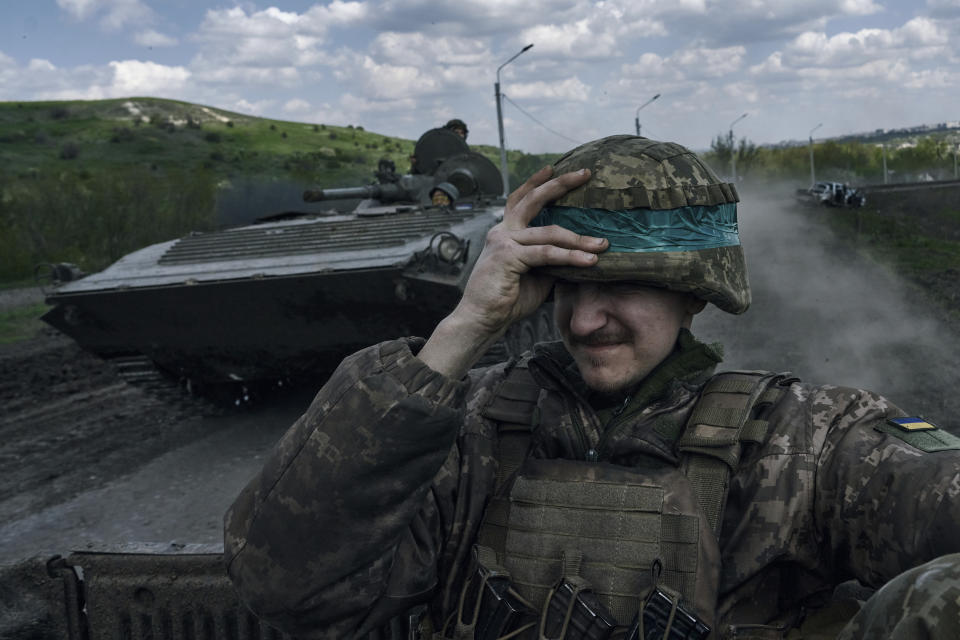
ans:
(276, 300)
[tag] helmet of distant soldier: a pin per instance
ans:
(670, 220)
(457, 126)
(444, 194)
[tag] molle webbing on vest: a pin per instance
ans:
(617, 520)
(514, 407)
(720, 421)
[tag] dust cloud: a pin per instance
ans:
(831, 316)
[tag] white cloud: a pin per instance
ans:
(584, 39)
(932, 79)
(114, 14)
(918, 38)
(137, 78)
(268, 46)
(287, 76)
(420, 49)
(688, 63)
(569, 89)
(151, 38)
(256, 108)
(39, 65)
(859, 7)
(297, 105)
(650, 65)
(81, 9)
(402, 102)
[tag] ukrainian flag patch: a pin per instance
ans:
(912, 423)
(920, 433)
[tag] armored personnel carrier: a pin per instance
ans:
(292, 294)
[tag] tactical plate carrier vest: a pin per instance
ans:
(629, 528)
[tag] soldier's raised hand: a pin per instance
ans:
(502, 288)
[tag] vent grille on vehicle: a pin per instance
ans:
(322, 236)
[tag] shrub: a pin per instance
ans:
(69, 151)
(59, 113)
(121, 134)
(212, 136)
(229, 123)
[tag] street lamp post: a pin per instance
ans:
(505, 175)
(733, 150)
(883, 151)
(636, 119)
(813, 175)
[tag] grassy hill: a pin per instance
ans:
(167, 134)
(89, 181)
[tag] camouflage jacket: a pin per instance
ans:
(371, 502)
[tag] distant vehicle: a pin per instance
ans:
(832, 194)
(290, 296)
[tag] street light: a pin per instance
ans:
(503, 150)
(733, 151)
(813, 176)
(636, 119)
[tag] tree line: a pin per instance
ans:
(854, 162)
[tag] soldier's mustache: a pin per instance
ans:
(602, 337)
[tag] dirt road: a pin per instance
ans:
(88, 458)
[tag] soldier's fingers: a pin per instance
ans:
(559, 237)
(527, 208)
(543, 255)
(532, 182)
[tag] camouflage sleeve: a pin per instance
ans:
(341, 528)
(883, 503)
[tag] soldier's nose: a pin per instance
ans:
(588, 311)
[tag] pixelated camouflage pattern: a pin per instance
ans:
(371, 502)
(632, 172)
(920, 604)
(715, 275)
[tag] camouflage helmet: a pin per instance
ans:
(455, 124)
(670, 220)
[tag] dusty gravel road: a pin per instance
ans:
(88, 459)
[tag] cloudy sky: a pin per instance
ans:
(400, 67)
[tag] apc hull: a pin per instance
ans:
(275, 301)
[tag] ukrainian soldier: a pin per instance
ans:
(458, 126)
(608, 485)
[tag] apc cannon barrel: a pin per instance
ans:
(367, 191)
(390, 192)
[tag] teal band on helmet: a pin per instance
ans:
(688, 228)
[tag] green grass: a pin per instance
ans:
(21, 323)
(906, 247)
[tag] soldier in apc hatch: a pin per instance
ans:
(612, 484)
(458, 126)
